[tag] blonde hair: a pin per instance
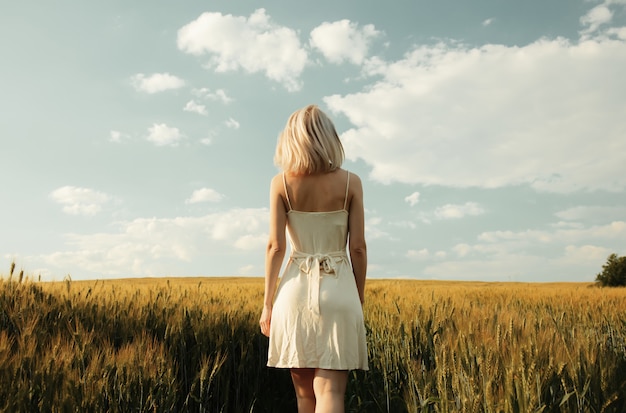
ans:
(309, 143)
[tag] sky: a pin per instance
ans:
(137, 138)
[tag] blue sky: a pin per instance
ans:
(138, 137)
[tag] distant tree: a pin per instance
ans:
(613, 272)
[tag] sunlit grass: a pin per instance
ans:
(193, 344)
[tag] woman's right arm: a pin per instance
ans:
(275, 251)
(356, 231)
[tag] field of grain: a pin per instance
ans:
(193, 345)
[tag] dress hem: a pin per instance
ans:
(287, 366)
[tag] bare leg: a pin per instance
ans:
(303, 384)
(330, 390)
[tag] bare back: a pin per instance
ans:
(318, 192)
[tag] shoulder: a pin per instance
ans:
(277, 184)
(354, 177)
(278, 179)
(355, 180)
(341, 173)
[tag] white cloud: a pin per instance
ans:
(247, 270)
(506, 267)
(251, 242)
(517, 255)
(232, 123)
(117, 136)
(612, 231)
(596, 22)
(487, 22)
(585, 253)
(79, 201)
(403, 224)
(373, 228)
(233, 224)
(452, 211)
(576, 263)
(204, 195)
(566, 224)
(343, 40)
(441, 254)
(194, 107)
(208, 140)
(596, 17)
(218, 95)
(412, 199)
(253, 44)
(462, 250)
(494, 116)
(592, 212)
(618, 32)
(155, 246)
(424, 254)
(157, 82)
(162, 135)
(418, 254)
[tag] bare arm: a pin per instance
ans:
(275, 251)
(356, 229)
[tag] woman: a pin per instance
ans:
(314, 318)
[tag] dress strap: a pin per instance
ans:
(286, 193)
(345, 201)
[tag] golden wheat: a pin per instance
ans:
(165, 345)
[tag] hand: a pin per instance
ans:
(265, 321)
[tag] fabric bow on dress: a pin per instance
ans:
(315, 265)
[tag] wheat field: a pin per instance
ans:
(193, 345)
